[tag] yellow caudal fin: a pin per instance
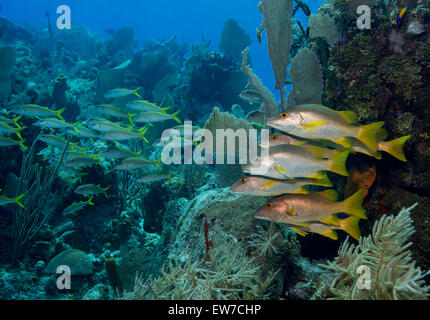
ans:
(352, 205)
(135, 92)
(157, 163)
(298, 231)
(16, 200)
(349, 116)
(337, 163)
(142, 133)
(174, 117)
(130, 118)
(367, 134)
(323, 182)
(329, 234)
(394, 147)
(350, 226)
(59, 112)
(90, 202)
(21, 144)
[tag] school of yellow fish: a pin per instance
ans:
(314, 139)
(77, 157)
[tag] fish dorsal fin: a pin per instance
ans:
(298, 231)
(349, 116)
(331, 220)
(329, 194)
(268, 184)
(317, 151)
(329, 234)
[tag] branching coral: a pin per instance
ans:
(393, 274)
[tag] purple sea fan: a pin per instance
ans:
(415, 28)
(396, 41)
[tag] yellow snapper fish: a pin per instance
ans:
(154, 177)
(260, 186)
(312, 121)
(278, 139)
(104, 125)
(60, 143)
(91, 190)
(110, 110)
(349, 225)
(77, 206)
(54, 123)
(136, 163)
(13, 121)
(81, 162)
(116, 135)
(5, 128)
(72, 155)
(6, 142)
(121, 92)
(145, 106)
(288, 161)
(301, 209)
(4, 201)
(81, 132)
(153, 116)
(34, 110)
(119, 153)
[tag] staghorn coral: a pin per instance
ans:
(393, 273)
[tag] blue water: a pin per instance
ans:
(190, 20)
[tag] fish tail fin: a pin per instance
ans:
(74, 125)
(337, 163)
(329, 234)
(90, 202)
(350, 226)
(323, 182)
(59, 112)
(21, 144)
(130, 118)
(16, 200)
(15, 121)
(169, 175)
(174, 117)
(137, 94)
(395, 147)
(157, 163)
(367, 134)
(142, 133)
(352, 205)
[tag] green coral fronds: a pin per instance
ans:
(393, 274)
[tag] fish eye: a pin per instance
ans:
(269, 205)
(273, 137)
(284, 115)
(243, 180)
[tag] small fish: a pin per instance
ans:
(153, 178)
(6, 142)
(78, 206)
(81, 132)
(145, 106)
(119, 153)
(123, 65)
(54, 123)
(121, 92)
(136, 163)
(251, 96)
(260, 186)
(91, 189)
(81, 163)
(401, 15)
(124, 135)
(34, 110)
(312, 121)
(4, 201)
(104, 125)
(288, 161)
(255, 116)
(60, 143)
(13, 121)
(301, 209)
(5, 128)
(113, 112)
(349, 225)
(150, 117)
(72, 155)
(175, 141)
